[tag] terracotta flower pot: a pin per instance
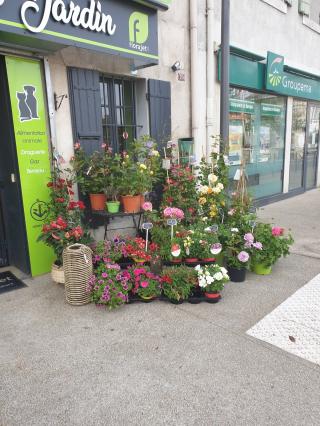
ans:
(98, 201)
(192, 260)
(208, 259)
(131, 203)
(176, 261)
(212, 297)
(142, 200)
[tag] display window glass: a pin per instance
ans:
(257, 140)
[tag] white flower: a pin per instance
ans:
(202, 282)
(210, 279)
(234, 230)
(212, 178)
(218, 276)
(220, 186)
(223, 270)
(155, 153)
(204, 189)
(198, 268)
(216, 190)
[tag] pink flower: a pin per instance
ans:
(231, 212)
(139, 271)
(173, 212)
(144, 284)
(249, 238)
(77, 146)
(277, 231)
(243, 256)
(103, 146)
(147, 206)
(257, 245)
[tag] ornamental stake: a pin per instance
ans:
(147, 227)
(172, 223)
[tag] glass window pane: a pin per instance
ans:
(128, 93)
(298, 137)
(102, 93)
(120, 121)
(257, 130)
(312, 145)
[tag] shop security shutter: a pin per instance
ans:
(159, 95)
(85, 106)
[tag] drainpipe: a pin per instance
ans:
(210, 75)
(225, 61)
(194, 75)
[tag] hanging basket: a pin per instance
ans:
(57, 274)
(77, 263)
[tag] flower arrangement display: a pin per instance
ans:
(178, 282)
(110, 250)
(274, 242)
(180, 190)
(109, 286)
(145, 284)
(212, 278)
(64, 226)
(136, 249)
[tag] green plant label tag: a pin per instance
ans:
(31, 137)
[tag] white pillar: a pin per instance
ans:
(210, 75)
(287, 147)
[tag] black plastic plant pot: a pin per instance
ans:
(196, 296)
(176, 302)
(237, 275)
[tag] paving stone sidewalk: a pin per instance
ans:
(160, 364)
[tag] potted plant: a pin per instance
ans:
(211, 280)
(178, 283)
(271, 245)
(145, 284)
(109, 250)
(109, 286)
(91, 176)
(237, 254)
(136, 249)
(113, 180)
(193, 248)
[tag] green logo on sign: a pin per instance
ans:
(138, 27)
(275, 71)
(39, 211)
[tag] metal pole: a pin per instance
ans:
(225, 63)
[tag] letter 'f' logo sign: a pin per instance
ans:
(138, 28)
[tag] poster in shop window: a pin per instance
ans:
(32, 145)
(235, 143)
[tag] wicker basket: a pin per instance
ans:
(77, 263)
(57, 274)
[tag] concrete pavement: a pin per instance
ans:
(160, 364)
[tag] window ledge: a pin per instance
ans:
(311, 24)
(277, 4)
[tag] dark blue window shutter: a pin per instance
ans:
(86, 108)
(159, 95)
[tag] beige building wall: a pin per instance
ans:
(174, 45)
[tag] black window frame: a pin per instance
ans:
(117, 111)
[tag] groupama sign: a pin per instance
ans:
(126, 28)
(277, 80)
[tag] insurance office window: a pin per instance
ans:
(257, 132)
(118, 111)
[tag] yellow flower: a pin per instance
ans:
(151, 173)
(213, 211)
(223, 203)
(202, 200)
(210, 191)
(143, 166)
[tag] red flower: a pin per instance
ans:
(62, 181)
(49, 184)
(61, 223)
(60, 200)
(166, 279)
(46, 228)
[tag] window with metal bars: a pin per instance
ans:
(118, 112)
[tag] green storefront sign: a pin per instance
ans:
(237, 105)
(279, 81)
(31, 135)
(270, 109)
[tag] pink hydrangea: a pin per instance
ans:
(277, 231)
(144, 284)
(147, 206)
(173, 213)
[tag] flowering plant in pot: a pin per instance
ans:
(193, 246)
(146, 284)
(178, 283)
(109, 286)
(91, 175)
(109, 250)
(237, 255)
(136, 249)
(275, 243)
(211, 280)
(113, 179)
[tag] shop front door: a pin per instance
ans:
(13, 242)
(312, 146)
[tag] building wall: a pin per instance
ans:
(173, 45)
